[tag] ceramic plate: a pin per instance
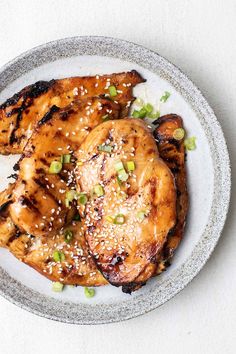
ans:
(208, 177)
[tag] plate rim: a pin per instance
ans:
(48, 307)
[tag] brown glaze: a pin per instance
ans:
(20, 113)
(122, 252)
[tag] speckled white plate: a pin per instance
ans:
(208, 177)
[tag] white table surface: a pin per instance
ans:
(200, 37)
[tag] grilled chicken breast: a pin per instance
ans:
(173, 153)
(39, 196)
(20, 113)
(76, 267)
(79, 267)
(128, 215)
(130, 231)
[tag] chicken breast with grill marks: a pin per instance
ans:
(39, 196)
(20, 113)
(172, 152)
(76, 267)
(82, 270)
(132, 198)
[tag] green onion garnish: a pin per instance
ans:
(57, 287)
(112, 91)
(98, 190)
(141, 215)
(122, 175)
(142, 112)
(148, 107)
(82, 198)
(119, 219)
(88, 292)
(130, 166)
(105, 148)
(68, 236)
(119, 166)
(139, 114)
(146, 111)
(165, 97)
(178, 134)
(55, 167)
(65, 158)
(109, 219)
(58, 256)
(190, 143)
(135, 113)
(105, 117)
(72, 194)
(154, 115)
(77, 217)
(139, 101)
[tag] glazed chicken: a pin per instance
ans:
(20, 113)
(75, 265)
(39, 198)
(172, 151)
(78, 267)
(126, 218)
(131, 197)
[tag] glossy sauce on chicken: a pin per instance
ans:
(129, 213)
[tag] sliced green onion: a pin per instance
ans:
(146, 111)
(165, 97)
(154, 115)
(119, 219)
(105, 117)
(68, 236)
(105, 148)
(190, 143)
(119, 166)
(148, 107)
(140, 114)
(88, 292)
(57, 287)
(55, 167)
(141, 215)
(109, 219)
(58, 256)
(112, 91)
(130, 166)
(178, 134)
(77, 217)
(139, 101)
(98, 190)
(72, 194)
(65, 158)
(82, 198)
(135, 113)
(122, 175)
